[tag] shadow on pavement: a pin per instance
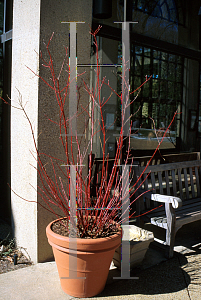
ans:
(165, 278)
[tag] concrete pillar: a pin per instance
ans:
(33, 23)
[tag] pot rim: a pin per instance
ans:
(82, 243)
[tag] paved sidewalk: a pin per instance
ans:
(177, 278)
(173, 279)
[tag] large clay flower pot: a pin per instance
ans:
(93, 261)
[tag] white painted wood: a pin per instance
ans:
(175, 201)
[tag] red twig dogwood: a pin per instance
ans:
(93, 215)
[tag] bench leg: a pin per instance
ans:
(171, 228)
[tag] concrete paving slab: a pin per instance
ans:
(165, 281)
(40, 281)
(178, 278)
(193, 269)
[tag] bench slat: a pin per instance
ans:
(167, 183)
(180, 184)
(160, 182)
(153, 185)
(189, 219)
(171, 166)
(194, 205)
(197, 181)
(174, 183)
(146, 188)
(153, 180)
(190, 202)
(186, 183)
(162, 222)
(188, 209)
(192, 183)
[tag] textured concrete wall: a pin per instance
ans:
(33, 24)
(49, 142)
(26, 29)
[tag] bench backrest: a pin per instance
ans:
(181, 179)
(142, 161)
(167, 158)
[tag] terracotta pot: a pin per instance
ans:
(83, 272)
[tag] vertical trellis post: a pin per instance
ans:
(125, 247)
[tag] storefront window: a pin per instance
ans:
(153, 109)
(159, 99)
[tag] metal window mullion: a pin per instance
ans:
(142, 69)
(159, 60)
(151, 70)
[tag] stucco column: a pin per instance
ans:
(26, 38)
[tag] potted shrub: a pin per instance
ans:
(87, 230)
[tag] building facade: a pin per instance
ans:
(165, 41)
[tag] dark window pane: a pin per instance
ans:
(146, 70)
(138, 65)
(170, 90)
(138, 50)
(155, 88)
(171, 72)
(163, 89)
(164, 70)
(179, 73)
(156, 54)
(156, 68)
(146, 89)
(137, 82)
(147, 52)
(164, 55)
(172, 57)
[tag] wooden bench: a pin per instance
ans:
(142, 161)
(177, 187)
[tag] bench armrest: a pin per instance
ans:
(175, 201)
